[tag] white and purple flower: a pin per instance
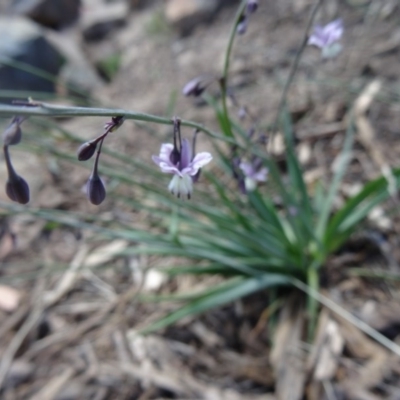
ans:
(254, 172)
(184, 166)
(327, 38)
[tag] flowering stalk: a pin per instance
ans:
(50, 110)
(225, 72)
(95, 189)
(296, 62)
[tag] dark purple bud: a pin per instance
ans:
(96, 192)
(17, 189)
(12, 135)
(86, 150)
(242, 25)
(193, 88)
(252, 6)
(196, 86)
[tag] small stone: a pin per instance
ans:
(100, 21)
(22, 41)
(19, 372)
(9, 298)
(54, 14)
(186, 14)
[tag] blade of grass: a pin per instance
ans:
(240, 288)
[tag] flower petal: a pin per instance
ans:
(247, 168)
(186, 154)
(261, 175)
(250, 184)
(315, 40)
(200, 161)
(165, 151)
(333, 31)
(181, 186)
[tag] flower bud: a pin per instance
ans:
(86, 151)
(196, 86)
(17, 189)
(242, 25)
(96, 192)
(252, 6)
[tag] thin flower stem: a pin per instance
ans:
(96, 161)
(50, 110)
(231, 39)
(296, 62)
(225, 73)
(10, 169)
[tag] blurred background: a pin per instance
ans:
(82, 342)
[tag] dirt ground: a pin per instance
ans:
(73, 333)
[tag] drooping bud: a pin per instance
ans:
(12, 135)
(196, 86)
(242, 25)
(17, 188)
(95, 190)
(252, 6)
(86, 150)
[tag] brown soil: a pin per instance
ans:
(75, 332)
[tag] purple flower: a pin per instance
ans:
(253, 172)
(196, 86)
(327, 37)
(252, 6)
(242, 25)
(184, 170)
